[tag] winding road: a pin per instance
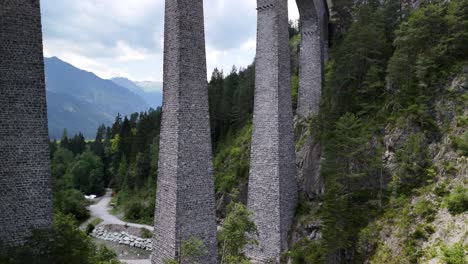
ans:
(101, 210)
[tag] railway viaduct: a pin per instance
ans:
(185, 196)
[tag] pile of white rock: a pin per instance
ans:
(122, 238)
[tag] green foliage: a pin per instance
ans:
(104, 255)
(356, 76)
(429, 48)
(64, 243)
(145, 233)
(96, 221)
(133, 210)
(349, 163)
(387, 65)
(239, 230)
(89, 228)
(231, 162)
(295, 90)
(190, 251)
(130, 156)
(76, 144)
(231, 101)
(461, 144)
(87, 173)
(302, 208)
(92, 225)
(413, 164)
(137, 206)
(456, 254)
(306, 252)
(457, 201)
(72, 201)
(73, 175)
(425, 209)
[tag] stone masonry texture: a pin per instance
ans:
(25, 181)
(185, 197)
(312, 54)
(272, 183)
(321, 6)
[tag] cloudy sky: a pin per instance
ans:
(125, 37)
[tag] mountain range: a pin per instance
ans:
(80, 101)
(149, 91)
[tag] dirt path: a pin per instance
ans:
(101, 210)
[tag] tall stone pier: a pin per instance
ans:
(185, 196)
(25, 179)
(272, 183)
(313, 49)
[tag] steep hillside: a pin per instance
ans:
(383, 166)
(79, 101)
(429, 225)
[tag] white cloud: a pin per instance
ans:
(249, 44)
(127, 53)
(292, 9)
(125, 38)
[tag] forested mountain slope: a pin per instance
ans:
(80, 101)
(392, 130)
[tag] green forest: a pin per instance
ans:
(388, 71)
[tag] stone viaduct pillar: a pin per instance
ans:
(313, 51)
(272, 183)
(185, 198)
(25, 179)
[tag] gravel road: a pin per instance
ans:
(101, 210)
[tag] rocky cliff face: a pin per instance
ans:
(424, 225)
(434, 227)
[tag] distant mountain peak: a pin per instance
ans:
(152, 96)
(151, 86)
(80, 101)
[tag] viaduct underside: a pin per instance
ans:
(185, 196)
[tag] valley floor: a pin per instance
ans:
(101, 210)
(126, 254)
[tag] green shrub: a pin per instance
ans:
(145, 233)
(423, 231)
(413, 164)
(190, 251)
(456, 254)
(72, 202)
(63, 243)
(231, 161)
(133, 210)
(104, 255)
(302, 208)
(136, 205)
(441, 189)
(306, 252)
(92, 225)
(425, 209)
(457, 201)
(461, 144)
(239, 231)
(96, 221)
(89, 228)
